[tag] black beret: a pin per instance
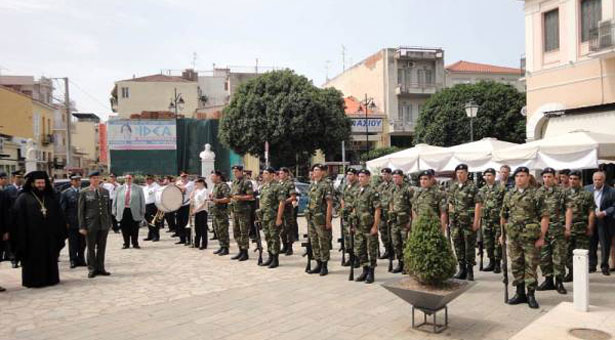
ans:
(565, 172)
(575, 173)
(237, 167)
(200, 180)
(461, 167)
(386, 170)
(547, 171)
(94, 173)
(365, 172)
(428, 173)
(319, 166)
(75, 177)
(398, 172)
(285, 169)
(490, 171)
(351, 171)
(521, 169)
(269, 170)
(3, 174)
(217, 173)
(17, 173)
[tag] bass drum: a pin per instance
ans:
(169, 199)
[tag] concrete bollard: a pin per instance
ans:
(580, 283)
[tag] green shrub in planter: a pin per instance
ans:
(428, 255)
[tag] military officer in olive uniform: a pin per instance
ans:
(429, 200)
(464, 204)
(525, 217)
(400, 211)
(367, 209)
(580, 215)
(69, 200)
(270, 213)
(220, 196)
(320, 210)
(385, 189)
(94, 222)
(242, 195)
(492, 195)
(348, 196)
(287, 233)
(553, 253)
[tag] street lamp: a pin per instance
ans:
(177, 103)
(471, 111)
(368, 103)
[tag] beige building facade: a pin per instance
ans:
(570, 66)
(465, 72)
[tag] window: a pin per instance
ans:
(400, 111)
(420, 76)
(408, 76)
(591, 14)
(125, 92)
(400, 76)
(408, 116)
(428, 78)
(551, 30)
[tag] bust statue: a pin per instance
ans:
(30, 150)
(207, 154)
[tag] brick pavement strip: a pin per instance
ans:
(163, 291)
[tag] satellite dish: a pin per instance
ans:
(524, 111)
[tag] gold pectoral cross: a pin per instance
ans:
(44, 211)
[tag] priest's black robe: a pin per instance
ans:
(38, 239)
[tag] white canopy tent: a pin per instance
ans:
(477, 155)
(573, 150)
(408, 160)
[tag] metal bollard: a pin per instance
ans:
(580, 283)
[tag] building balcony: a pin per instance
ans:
(416, 89)
(418, 53)
(602, 40)
(47, 139)
(401, 126)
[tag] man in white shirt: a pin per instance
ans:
(186, 186)
(199, 211)
(149, 191)
(111, 185)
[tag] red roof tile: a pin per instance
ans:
(159, 78)
(468, 67)
(352, 107)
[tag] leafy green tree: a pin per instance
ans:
(379, 152)
(289, 112)
(443, 120)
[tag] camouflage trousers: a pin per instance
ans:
(220, 224)
(491, 234)
(553, 253)
(578, 240)
(399, 233)
(347, 221)
(524, 259)
(366, 246)
(241, 227)
(383, 228)
(320, 237)
(287, 232)
(272, 234)
(464, 241)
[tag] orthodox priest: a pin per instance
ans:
(39, 231)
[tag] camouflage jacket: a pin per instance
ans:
(270, 196)
(241, 186)
(428, 201)
(555, 199)
(366, 202)
(582, 202)
(492, 197)
(318, 194)
(349, 194)
(401, 201)
(385, 189)
(462, 200)
(287, 188)
(523, 210)
(221, 190)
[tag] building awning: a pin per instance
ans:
(565, 121)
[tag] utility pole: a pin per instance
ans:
(68, 132)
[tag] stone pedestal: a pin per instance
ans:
(580, 283)
(30, 156)
(208, 158)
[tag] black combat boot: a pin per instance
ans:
(346, 263)
(387, 253)
(317, 269)
(238, 255)
(324, 270)
(223, 252)
(283, 250)
(399, 268)
(289, 249)
(531, 300)
(356, 263)
(568, 277)
(218, 251)
(197, 243)
(519, 297)
(491, 266)
(461, 274)
(470, 272)
(559, 285)
(496, 268)
(244, 255)
(275, 263)
(547, 284)
(73, 264)
(363, 275)
(268, 261)
(370, 275)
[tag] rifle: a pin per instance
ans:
(257, 237)
(342, 240)
(392, 217)
(481, 248)
(351, 253)
(504, 263)
(308, 252)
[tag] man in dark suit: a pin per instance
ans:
(69, 204)
(604, 196)
(12, 191)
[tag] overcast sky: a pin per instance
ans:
(95, 43)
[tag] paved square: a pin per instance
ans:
(167, 291)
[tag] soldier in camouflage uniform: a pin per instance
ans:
(220, 196)
(367, 210)
(242, 196)
(464, 205)
(287, 186)
(429, 199)
(320, 210)
(385, 189)
(580, 214)
(270, 213)
(526, 219)
(348, 196)
(492, 195)
(564, 178)
(400, 211)
(553, 253)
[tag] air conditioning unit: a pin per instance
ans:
(410, 64)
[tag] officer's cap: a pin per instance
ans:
(3, 174)
(365, 172)
(269, 170)
(427, 173)
(17, 173)
(74, 177)
(94, 173)
(490, 171)
(351, 171)
(385, 171)
(521, 169)
(575, 173)
(547, 171)
(237, 167)
(398, 172)
(565, 172)
(461, 166)
(319, 166)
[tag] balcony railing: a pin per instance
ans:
(416, 88)
(602, 37)
(401, 126)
